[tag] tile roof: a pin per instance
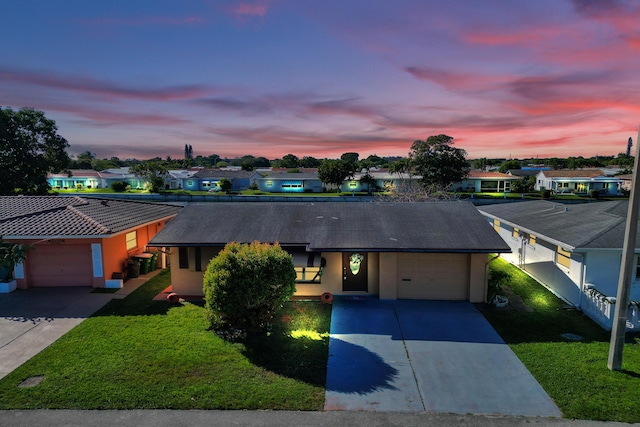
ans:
(571, 173)
(56, 216)
(597, 225)
(336, 226)
(491, 175)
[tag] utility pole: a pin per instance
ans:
(626, 269)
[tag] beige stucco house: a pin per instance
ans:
(434, 250)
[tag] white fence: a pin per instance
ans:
(600, 308)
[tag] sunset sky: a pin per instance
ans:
(317, 78)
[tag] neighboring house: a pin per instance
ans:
(176, 178)
(78, 241)
(290, 182)
(75, 179)
(122, 174)
(626, 181)
(485, 182)
(435, 250)
(574, 250)
(578, 181)
(525, 173)
(207, 179)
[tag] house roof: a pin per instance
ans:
(573, 173)
(221, 173)
(598, 225)
(524, 172)
(291, 175)
(478, 174)
(76, 173)
(28, 217)
(336, 226)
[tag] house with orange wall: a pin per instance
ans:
(78, 241)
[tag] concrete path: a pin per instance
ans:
(32, 319)
(435, 356)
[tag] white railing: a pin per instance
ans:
(600, 308)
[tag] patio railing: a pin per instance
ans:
(601, 308)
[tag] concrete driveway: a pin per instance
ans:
(434, 356)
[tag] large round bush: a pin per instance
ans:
(245, 284)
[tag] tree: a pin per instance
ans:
(84, 160)
(438, 162)
(30, 148)
(153, 173)
(309, 162)
(400, 166)
(289, 161)
(333, 172)
(225, 185)
(509, 164)
(246, 284)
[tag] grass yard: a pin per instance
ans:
(574, 374)
(139, 353)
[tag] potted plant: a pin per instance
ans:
(10, 255)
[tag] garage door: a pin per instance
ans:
(433, 276)
(60, 265)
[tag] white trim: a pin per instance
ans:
(96, 258)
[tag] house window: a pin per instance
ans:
(132, 240)
(353, 184)
(198, 256)
(563, 257)
(190, 183)
(637, 268)
(496, 225)
(515, 233)
(183, 258)
(206, 184)
(269, 183)
(308, 274)
(532, 240)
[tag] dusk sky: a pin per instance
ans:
(525, 78)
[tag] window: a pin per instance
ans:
(353, 184)
(190, 183)
(496, 225)
(563, 257)
(515, 233)
(198, 256)
(183, 258)
(206, 184)
(532, 240)
(269, 183)
(132, 240)
(308, 274)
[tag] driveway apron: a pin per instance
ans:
(415, 356)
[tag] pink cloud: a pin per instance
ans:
(98, 87)
(143, 21)
(249, 9)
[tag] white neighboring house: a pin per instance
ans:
(578, 181)
(574, 250)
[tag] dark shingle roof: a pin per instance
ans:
(591, 225)
(51, 216)
(433, 227)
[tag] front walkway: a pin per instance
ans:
(434, 356)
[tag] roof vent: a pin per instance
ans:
(566, 209)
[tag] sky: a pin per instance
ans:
(505, 79)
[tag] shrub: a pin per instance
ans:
(245, 285)
(594, 194)
(225, 185)
(119, 186)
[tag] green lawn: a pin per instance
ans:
(574, 374)
(139, 353)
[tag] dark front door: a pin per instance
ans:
(354, 271)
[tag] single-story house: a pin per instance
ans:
(78, 241)
(486, 182)
(579, 181)
(626, 181)
(75, 179)
(207, 179)
(176, 179)
(122, 174)
(290, 182)
(574, 250)
(428, 250)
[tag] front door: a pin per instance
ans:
(354, 272)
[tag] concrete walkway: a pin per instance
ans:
(434, 356)
(32, 319)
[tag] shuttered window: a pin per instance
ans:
(563, 257)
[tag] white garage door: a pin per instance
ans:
(60, 265)
(433, 276)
